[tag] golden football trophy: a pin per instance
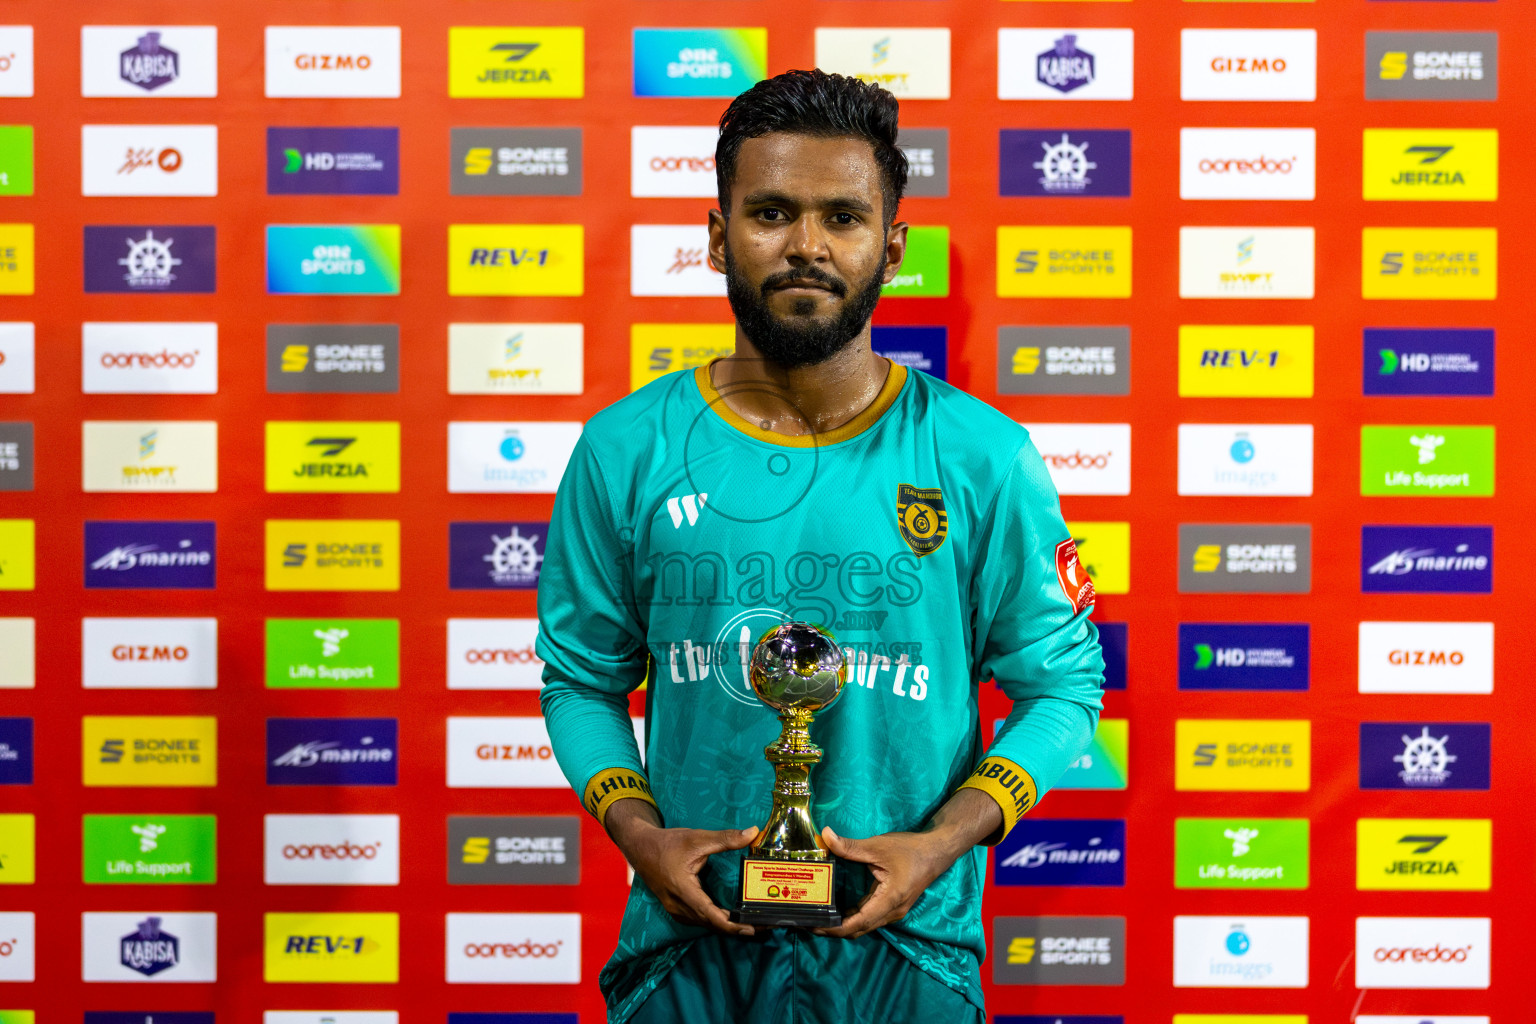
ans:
(786, 880)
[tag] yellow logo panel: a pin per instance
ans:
(18, 554)
(1429, 263)
(1245, 361)
(333, 456)
(332, 947)
(1052, 261)
(1104, 549)
(1243, 755)
(658, 349)
(136, 750)
(516, 63)
(1424, 853)
(18, 259)
(18, 849)
(515, 259)
(1424, 163)
(333, 554)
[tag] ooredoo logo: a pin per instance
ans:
(332, 849)
(1085, 458)
(17, 946)
(514, 949)
(149, 358)
(493, 654)
(1422, 952)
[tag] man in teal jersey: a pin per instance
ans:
(807, 477)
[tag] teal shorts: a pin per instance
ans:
(793, 977)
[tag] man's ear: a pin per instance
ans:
(717, 240)
(895, 250)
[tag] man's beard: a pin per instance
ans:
(800, 339)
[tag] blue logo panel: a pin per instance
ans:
(1114, 641)
(150, 259)
(15, 751)
(1437, 361)
(1064, 162)
(332, 751)
(1244, 656)
(922, 348)
(148, 1017)
(1056, 1018)
(512, 1018)
(495, 555)
(1425, 755)
(333, 161)
(1426, 559)
(146, 554)
(1062, 851)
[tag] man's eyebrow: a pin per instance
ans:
(768, 198)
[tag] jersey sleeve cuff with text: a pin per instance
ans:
(611, 785)
(1008, 784)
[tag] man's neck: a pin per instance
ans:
(805, 399)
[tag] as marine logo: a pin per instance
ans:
(921, 518)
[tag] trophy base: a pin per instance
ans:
(786, 894)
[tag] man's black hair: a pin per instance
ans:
(821, 105)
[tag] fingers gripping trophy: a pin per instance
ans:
(797, 669)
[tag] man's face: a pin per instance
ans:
(805, 249)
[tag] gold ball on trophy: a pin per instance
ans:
(797, 666)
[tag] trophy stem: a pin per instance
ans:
(790, 834)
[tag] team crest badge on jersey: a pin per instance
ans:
(1073, 576)
(921, 518)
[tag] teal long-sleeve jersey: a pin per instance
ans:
(925, 534)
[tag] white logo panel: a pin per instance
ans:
(1085, 458)
(1240, 952)
(515, 359)
(18, 946)
(149, 945)
(506, 753)
(330, 1017)
(672, 259)
(1247, 163)
(18, 358)
(332, 849)
(1065, 63)
(1426, 657)
(16, 60)
(1245, 263)
(149, 358)
(1248, 64)
(913, 63)
(514, 949)
(18, 654)
(149, 160)
(149, 61)
(149, 654)
(493, 654)
(1422, 952)
(347, 62)
(673, 161)
(144, 456)
(509, 458)
(1245, 459)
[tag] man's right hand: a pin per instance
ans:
(669, 860)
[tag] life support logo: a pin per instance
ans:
(1073, 578)
(921, 518)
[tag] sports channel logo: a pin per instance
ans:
(332, 751)
(1246, 263)
(149, 554)
(139, 750)
(699, 61)
(516, 259)
(333, 259)
(1242, 755)
(1242, 853)
(1232, 558)
(150, 849)
(1064, 360)
(1062, 851)
(1245, 361)
(149, 653)
(917, 348)
(332, 457)
(517, 62)
(362, 948)
(1429, 263)
(333, 61)
(1425, 755)
(1426, 559)
(656, 350)
(18, 259)
(1065, 63)
(331, 359)
(543, 850)
(15, 751)
(927, 152)
(1058, 950)
(1431, 164)
(1061, 261)
(17, 456)
(149, 259)
(1106, 762)
(515, 161)
(1423, 854)
(1431, 65)
(1427, 361)
(1240, 952)
(1244, 656)
(495, 555)
(1064, 162)
(1266, 65)
(333, 554)
(351, 654)
(913, 63)
(333, 161)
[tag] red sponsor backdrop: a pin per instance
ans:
(972, 313)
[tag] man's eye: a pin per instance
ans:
(771, 214)
(845, 218)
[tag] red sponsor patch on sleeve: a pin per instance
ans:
(1073, 577)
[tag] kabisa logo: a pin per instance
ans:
(149, 65)
(332, 751)
(1431, 65)
(515, 161)
(1251, 952)
(1243, 755)
(1418, 854)
(1244, 656)
(1220, 558)
(513, 62)
(1064, 67)
(149, 554)
(332, 947)
(1425, 755)
(1246, 853)
(1427, 361)
(150, 950)
(1061, 851)
(1058, 951)
(150, 259)
(698, 62)
(514, 851)
(1426, 559)
(495, 555)
(1056, 162)
(333, 161)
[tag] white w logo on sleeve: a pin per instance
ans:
(687, 505)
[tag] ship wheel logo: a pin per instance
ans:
(514, 558)
(1424, 758)
(1065, 166)
(149, 262)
